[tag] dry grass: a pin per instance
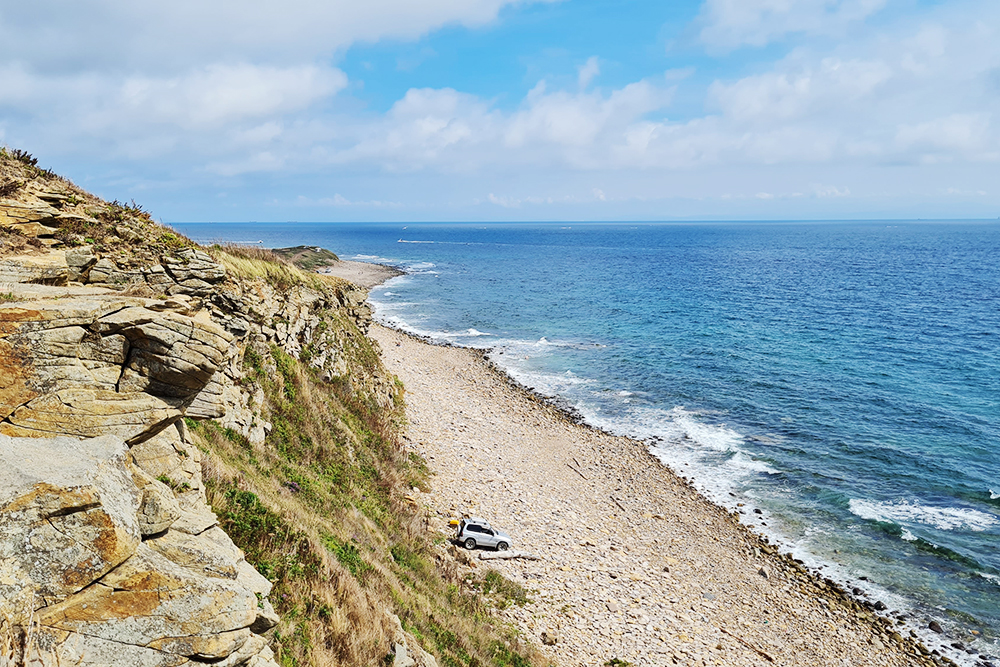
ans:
(249, 251)
(252, 263)
(321, 509)
(18, 641)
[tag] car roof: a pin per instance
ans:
(476, 519)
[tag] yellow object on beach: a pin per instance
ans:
(453, 522)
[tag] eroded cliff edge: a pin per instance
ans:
(117, 338)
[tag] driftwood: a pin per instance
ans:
(504, 555)
(615, 500)
(748, 645)
(576, 471)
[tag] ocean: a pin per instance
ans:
(841, 378)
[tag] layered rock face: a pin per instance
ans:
(109, 553)
(97, 566)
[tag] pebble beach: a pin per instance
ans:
(633, 564)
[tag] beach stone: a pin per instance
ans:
(474, 425)
(935, 627)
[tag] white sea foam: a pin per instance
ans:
(990, 577)
(994, 495)
(905, 512)
(908, 536)
(750, 463)
(384, 312)
(713, 456)
(551, 384)
(405, 241)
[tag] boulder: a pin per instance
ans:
(192, 264)
(29, 219)
(80, 260)
(152, 602)
(101, 364)
(266, 619)
(158, 509)
(46, 269)
(59, 647)
(172, 355)
(406, 650)
(89, 412)
(67, 517)
(201, 553)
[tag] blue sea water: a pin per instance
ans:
(842, 378)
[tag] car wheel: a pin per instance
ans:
(502, 546)
(470, 544)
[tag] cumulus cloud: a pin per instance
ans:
(803, 90)
(166, 36)
(220, 94)
(146, 80)
(954, 136)
(233, 90)
(588, 71)
(730, 24)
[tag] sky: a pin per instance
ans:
(487, 110)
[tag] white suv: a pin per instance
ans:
(475, 532)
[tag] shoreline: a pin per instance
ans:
(881, 640)
(364, 274)
(447, 385)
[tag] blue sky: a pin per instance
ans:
(512, 110)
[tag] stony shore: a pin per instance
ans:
(634, 564)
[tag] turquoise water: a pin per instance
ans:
(843, 378)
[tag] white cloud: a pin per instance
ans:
(804, 89)
(729, 24)
(956, 135)
(588, 71)
(144, 84)
(222, 94)
(338, 201)
(824, 191)
(579, 120)
(506, 202)
(120, 35)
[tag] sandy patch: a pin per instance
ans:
(361, 273)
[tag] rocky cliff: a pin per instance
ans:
(115, 334)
